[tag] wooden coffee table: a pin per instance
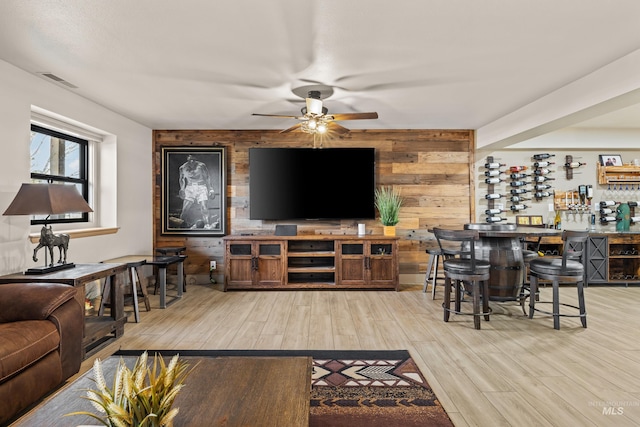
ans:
(222, 391)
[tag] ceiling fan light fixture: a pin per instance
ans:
(312, 123)
(322, 127)
(314, 106)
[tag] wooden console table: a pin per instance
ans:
(221, 391)
(96, 328)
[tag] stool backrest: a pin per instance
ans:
(574, 245)
(466, 243)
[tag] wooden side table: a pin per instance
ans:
(97, 329)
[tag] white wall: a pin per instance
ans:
(584, 145)
(126, 171)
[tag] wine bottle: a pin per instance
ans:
(519, 190)
(605, 203)
(519, 175)
(607, 219)
(495, 219)
(543, 164)
(517, 168)
(606, 211)
(557, 222)
(541, 194)
(494, 211)
(542, 171)
(540, 187)
(494, 165)
(635, 219)
(518, 207)
(492, 196)
(542, 156)
(633, 204)
(518, 183)
(493, 180)
(493, 172)
(574, 164)
(517, 199)
(542, 178)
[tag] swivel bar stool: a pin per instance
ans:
(566, 269)
(433, 249)
(467, 272)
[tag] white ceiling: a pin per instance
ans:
(422, 64)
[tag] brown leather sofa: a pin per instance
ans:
(41, 328)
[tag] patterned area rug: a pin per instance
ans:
(354, 388)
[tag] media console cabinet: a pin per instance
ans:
(311, 262)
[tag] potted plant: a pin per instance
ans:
(388, 202)
(140, 397)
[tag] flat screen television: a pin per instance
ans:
(311, 183)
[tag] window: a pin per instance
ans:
(59, 158)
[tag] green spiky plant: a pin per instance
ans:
(141, 397)
(388, 202)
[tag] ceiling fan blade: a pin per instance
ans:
(292, 128)
(354, 116)
(278, 115)
(336, 128)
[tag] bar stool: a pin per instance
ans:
(173, 250)
(461, 266)
(431, 275)
(527, 256)
(566, 269)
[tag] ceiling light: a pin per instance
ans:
(314, 106)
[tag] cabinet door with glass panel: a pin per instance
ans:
(254, 264)
(368, 263)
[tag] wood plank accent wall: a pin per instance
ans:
(432, 169)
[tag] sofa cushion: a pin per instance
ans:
(19, 301)
(24, 343)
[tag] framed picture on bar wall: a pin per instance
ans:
(193, 199)
(610, 159)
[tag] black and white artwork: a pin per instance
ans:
(193, 191)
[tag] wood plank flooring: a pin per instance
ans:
(513, 372)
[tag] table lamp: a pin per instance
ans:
(49, 199)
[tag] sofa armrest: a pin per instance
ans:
(32, 301)
(69, 319)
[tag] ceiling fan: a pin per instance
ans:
(315, 118)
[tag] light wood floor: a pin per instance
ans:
(513, 372)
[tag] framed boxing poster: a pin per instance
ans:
(193, 191)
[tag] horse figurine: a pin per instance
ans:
(50, 240)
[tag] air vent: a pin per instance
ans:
(58, 80)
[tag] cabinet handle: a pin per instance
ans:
(254, 263)
(367, 263)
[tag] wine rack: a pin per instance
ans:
(493, 174)
(543, 188)
(570, 165)
(518, 188)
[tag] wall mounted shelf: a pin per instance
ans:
(611, 174)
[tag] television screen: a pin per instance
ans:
(311, 183)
